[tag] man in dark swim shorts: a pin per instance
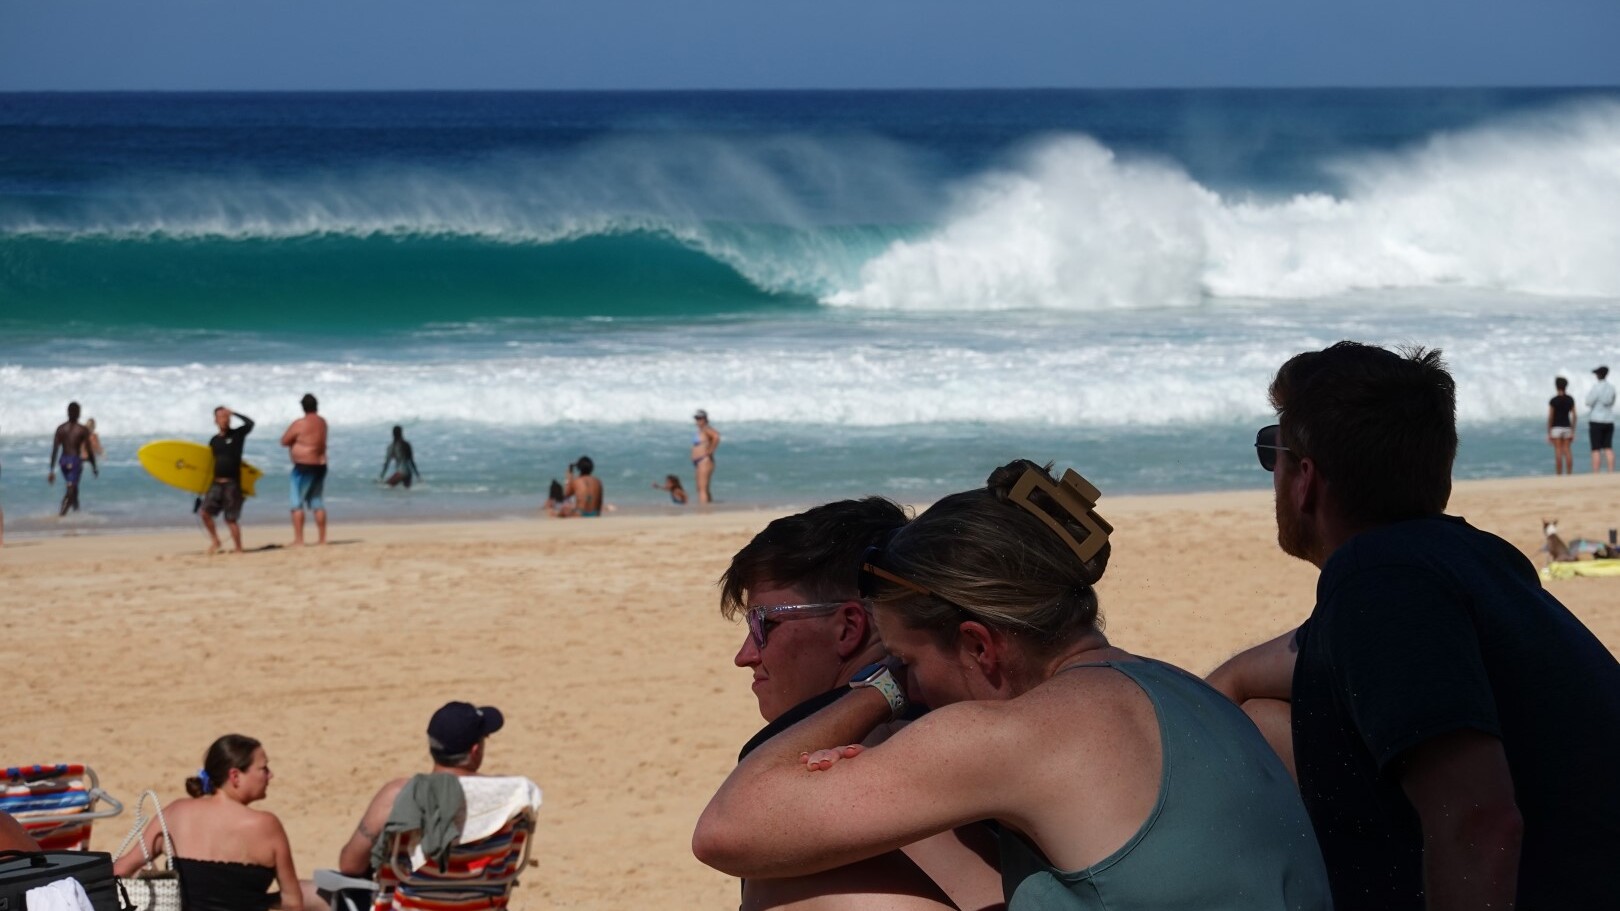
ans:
(225, 494)
(71, 438)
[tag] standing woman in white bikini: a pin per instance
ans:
(704, 442)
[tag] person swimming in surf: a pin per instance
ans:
(404, 461)
(72, 438)
(704, 442)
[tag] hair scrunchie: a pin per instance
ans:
(207, 783)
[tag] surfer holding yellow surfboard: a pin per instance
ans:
(225, 493)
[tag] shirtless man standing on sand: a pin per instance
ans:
(704, 443)
(305, 440)
(71, 438)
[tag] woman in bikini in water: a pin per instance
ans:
(704, 442)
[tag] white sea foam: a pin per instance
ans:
(1205, 366)
(1526, 205)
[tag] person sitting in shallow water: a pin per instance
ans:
(558, 502)
(1117, 781)
(227, 854)
(677, 493)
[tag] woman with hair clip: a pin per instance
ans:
(226, 853)
(1117, 781)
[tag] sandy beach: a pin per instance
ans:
(600, 640)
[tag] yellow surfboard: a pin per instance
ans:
(189, 466)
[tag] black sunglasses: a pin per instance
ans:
(1266, 447)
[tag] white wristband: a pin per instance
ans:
(883, 681)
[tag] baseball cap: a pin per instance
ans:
(700, 413)
(458, 726)
(1601, 372)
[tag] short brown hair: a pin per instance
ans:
(1380, 425)
(817, 552)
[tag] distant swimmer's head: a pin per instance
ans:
(555, 494)
(672, 482)
(73, 411)
(1602, 373)
(586, 466)
(399, 432)
(308, 401)
(222, 418)
(701, 416)
(993, 581)
(1561, 383)
(90, 424)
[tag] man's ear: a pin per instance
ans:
(854, 629)
(1305, 486)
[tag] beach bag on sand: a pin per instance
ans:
(23, 871)
(151, 888)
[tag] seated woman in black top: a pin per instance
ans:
(227, 854)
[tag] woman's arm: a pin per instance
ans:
(773, 817)
(135, 858)
(292, 892)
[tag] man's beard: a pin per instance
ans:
(1293, 534)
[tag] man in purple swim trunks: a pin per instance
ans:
(70, 438)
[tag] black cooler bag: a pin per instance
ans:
(24, 870)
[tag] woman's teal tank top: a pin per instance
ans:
(1228, 831)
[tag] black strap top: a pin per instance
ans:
(223, 885)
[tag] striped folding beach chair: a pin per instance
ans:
(57, 804)
(481, 872)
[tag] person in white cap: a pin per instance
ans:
(1600, 418)
(704, 442)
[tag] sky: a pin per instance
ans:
(768, 44)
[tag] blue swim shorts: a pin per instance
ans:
(308, 482)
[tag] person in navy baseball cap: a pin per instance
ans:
(457, 727)
(456, 734)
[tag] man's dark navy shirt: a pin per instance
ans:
(1431, 626)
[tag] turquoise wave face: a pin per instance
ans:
(347, 284)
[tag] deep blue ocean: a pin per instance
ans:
(870, 292)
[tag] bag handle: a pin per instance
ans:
(141, 821)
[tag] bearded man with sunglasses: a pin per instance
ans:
(810, 637)
(1456, 730)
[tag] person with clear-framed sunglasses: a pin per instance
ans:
(810, 636)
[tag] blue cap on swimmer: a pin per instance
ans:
(459, 726)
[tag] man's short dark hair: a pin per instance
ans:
(585, 465)
(1561, 383)
(308, 401)
(815, 552)
(73, 411)
(1380, 425)
(449, 760)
